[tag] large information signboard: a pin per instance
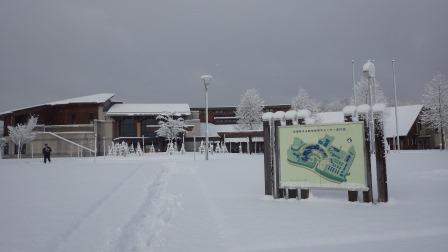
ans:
(322, 156)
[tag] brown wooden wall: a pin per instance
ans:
(55, 115)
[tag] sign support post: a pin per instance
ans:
(380, 154)
(367, 195)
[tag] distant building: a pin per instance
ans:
(138, 122)
(62, 123)
(80, 126)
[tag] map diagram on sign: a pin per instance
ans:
(331, 162)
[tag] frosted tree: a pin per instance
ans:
(336, 105)
(362, 93)
(303, 101)
(151, 148)
(435, 102)
(23, 133)
(250, 110)
(170, 128)
(202, 147)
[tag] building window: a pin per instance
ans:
(127, 128)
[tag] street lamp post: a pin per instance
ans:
(206, 79)
(369, 72)
(397, 141)
(354, 83)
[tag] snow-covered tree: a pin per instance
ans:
(303, 101)
(336, 105)
(250, 110)
(435, 102)
(170, 128)
(23, 133)
(362, 93)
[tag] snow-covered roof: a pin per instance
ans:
(148, 109)
(214, 129)
(406, 118)
(96, 98)
(211, 130)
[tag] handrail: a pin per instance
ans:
(65, 139)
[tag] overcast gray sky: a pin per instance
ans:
(155, 51)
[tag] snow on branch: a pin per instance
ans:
(303, 101)
(170, 128)
(23, 133)
(435, 103)
(250, 111)
(362, 93)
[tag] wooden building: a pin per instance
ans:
(76, 119)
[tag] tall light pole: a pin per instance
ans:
(369, 72)
(354, 83)
(397, 141)
(206, 79)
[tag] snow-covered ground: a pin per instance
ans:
(174, 203)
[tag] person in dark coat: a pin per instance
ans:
(46, 151)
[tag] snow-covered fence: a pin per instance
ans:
(279, 188)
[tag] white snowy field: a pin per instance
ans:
(173, 203)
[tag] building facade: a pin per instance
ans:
(89, 125)
(72, 127)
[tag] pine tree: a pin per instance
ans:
(170, 128)
(435, 102)
(23, 133)
(304, 101)
(250, 110)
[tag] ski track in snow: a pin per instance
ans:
(65, 237)
(143, 229)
